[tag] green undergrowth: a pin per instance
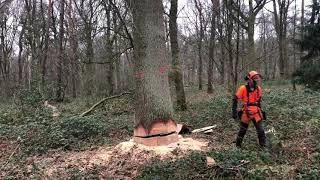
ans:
(292, 127)
(293, 133)
(34, 128)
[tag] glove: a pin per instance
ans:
(234, 108)
(234, 114)
(264, 115)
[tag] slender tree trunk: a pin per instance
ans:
(235, 80)
(266, 73)
(89, 71)
(251, 45)
(176, 65)
(212, 46)
(46, 47)
(109, 52)
(201, 36)
(32, 39)
(294, 45)
(20, 65)
(221, 42)
(193, 71)
(230, 48)
(74, 48)
(117, 83)
(61, 53)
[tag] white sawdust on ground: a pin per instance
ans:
(124, 157)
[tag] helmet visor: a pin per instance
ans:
(256, 77)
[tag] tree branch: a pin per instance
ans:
(101, 101)
(122, 21)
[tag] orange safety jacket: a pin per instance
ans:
(251, 103)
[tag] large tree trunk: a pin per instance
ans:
(177, 75)
(153, 105)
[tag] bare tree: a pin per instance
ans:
(87, 10)
(247, 22)
(280, 16)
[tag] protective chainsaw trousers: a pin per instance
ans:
(259, 129)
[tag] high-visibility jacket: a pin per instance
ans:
(251, 103)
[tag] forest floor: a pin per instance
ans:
(33, 144)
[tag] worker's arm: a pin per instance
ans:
(238, 96)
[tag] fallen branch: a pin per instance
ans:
(15, 149)
(101, 101)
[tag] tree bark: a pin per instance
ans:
(61, 53)
(176, 65)
(212, 45)
(248, 23)
(230, 49)
(201, 36)
(20, 43)
(46, 47)
(152, 95)
(280, 16)
(74, 48)
(109, 52)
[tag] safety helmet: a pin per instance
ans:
(253, 75)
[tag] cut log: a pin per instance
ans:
(204, 129)
(208, 131)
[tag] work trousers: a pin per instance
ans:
(260, 132)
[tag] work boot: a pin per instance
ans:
(261, 134)
(239, 142)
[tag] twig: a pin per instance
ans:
(101, 101)
(236, 167)
(10, 156)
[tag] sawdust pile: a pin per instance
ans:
(121, 161)
(183, 145)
